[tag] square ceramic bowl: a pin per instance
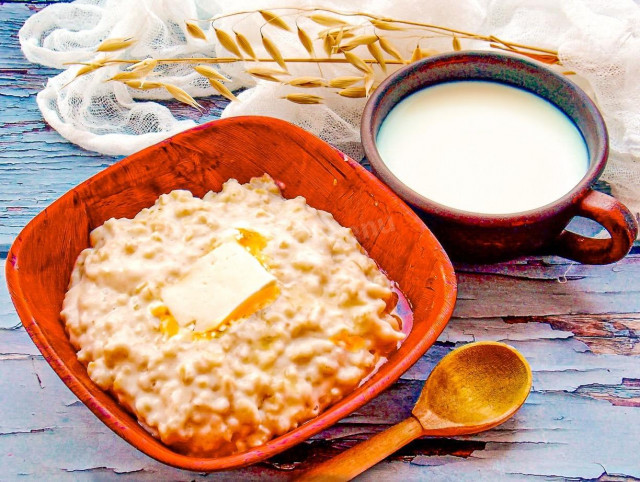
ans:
(202, 159)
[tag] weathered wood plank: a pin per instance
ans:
(603, 334)
(558, 415)
(548, 286)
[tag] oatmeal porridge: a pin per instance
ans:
(225, 321)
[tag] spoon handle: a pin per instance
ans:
(359, 458)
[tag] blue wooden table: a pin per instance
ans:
(579, 326)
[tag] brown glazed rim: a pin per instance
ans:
(372, 120)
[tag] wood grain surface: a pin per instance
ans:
(579, 327)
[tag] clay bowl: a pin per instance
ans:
(201, 159)
(486, 238)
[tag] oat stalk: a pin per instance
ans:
(347, 38)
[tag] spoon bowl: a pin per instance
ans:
(474, 388)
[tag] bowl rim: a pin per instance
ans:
(369, 131)
(164, 453)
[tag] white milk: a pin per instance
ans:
(483, 147)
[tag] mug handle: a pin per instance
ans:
(614, 217)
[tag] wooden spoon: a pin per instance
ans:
(473, 388)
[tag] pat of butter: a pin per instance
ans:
(225, 284)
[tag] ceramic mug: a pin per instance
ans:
(477, 237)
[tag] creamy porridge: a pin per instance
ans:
(302, 318)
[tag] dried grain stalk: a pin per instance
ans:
(120, 76)
(389, 48)
(85, 69)
(180, 95)
(115, 44)
(273, 51)
(358, 41)
(368, 83)
(549, 59)
(266, 74)
(195, 31)
(326, 20)
(306, 41)
(245, 45)
(222, 89)
(299, 98)
(307, 82)
(275, 20)
(146, 66)
(143, 84)
(339, 35)
(209, 72)
(136, 71)
(376, 53)
(344, 82)
(347, 31)
(227, 42)
(354, 92)
(357, 62)
(384, 25)
(416, 55)
(327, 45)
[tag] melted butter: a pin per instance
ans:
(209, 335)
(348, 341)
(253, 242)
(168, 324)
(255, 303)
(251, 305)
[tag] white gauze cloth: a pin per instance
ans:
(599, 40)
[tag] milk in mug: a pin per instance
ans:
(482, 146)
